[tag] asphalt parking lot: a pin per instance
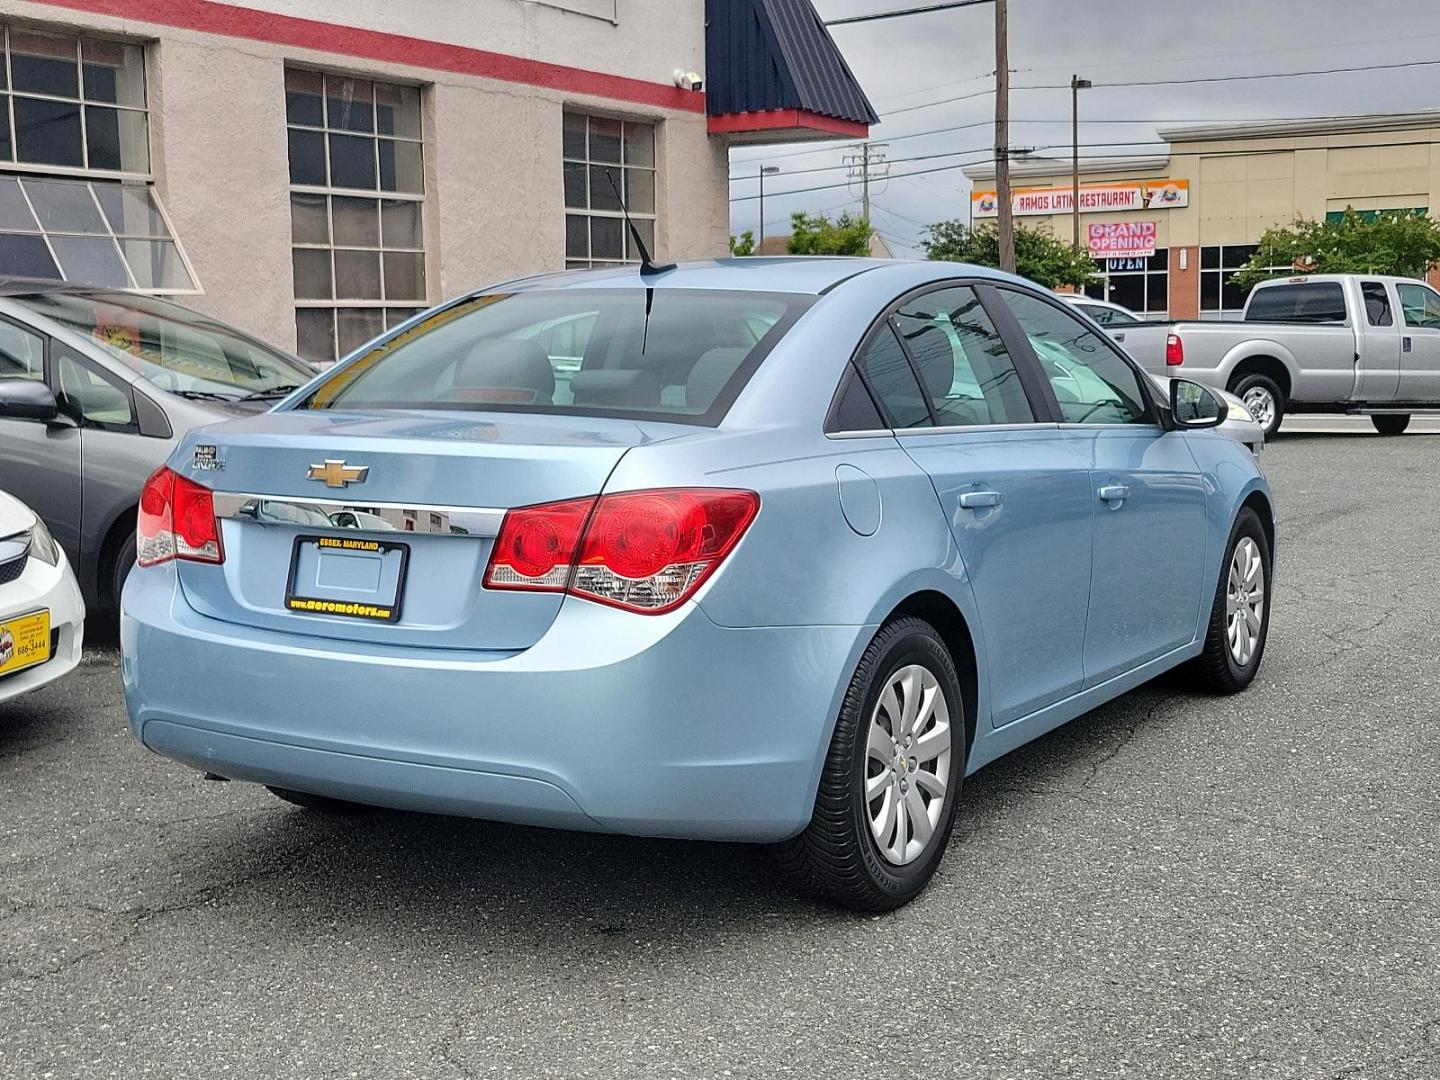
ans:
(1172, 886)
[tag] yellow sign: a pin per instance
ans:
(24, 642)
(340, 607)
(346, 544)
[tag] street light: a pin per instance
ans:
(1076, 85)
(765, 170)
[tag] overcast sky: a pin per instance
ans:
(920, 59)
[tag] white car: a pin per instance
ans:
(42, 617)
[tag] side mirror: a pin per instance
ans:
(1194, 406)
(27, 399)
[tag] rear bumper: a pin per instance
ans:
(668, 726)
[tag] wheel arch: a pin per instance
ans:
(116, 534)
(941, 612)
(1268, 363)
(1258, 501)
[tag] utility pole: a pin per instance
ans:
(866, 162)
(1002, 140)
(1076, 85)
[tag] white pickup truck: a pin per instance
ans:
(1352, 343)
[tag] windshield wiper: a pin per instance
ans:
(204, 395)
(275, 393)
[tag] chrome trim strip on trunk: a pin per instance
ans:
(349, 515)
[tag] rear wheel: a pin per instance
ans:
(1240, 614)
(887, 794)
(1263, 397)
(322, 803)
(1390, 423)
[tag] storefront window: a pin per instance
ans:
(606, 160)
(1140, 284)
(76, 203)
(357, 194)
(1221, 298)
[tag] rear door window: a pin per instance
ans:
(1377, 303)
(1301, 302)
(966, 368)
(887, 369)
(667, 354)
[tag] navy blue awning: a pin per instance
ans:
(773, 74)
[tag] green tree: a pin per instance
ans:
(1390, 242)
(1039, 256)
(744, 244)
(815, 234)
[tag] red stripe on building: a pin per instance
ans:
(732, 123)
(239, 22)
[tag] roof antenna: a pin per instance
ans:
(647, 265)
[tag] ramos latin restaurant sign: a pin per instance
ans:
(1094, 198)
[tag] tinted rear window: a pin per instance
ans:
(666, 354)
(1309, 302)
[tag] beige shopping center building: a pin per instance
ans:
(1207, 201)
(315, 172)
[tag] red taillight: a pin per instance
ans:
(644, 551)
(1174, 350)
(536, 546)
(176, 521)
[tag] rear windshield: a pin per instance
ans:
(666, 354)
(1308, 302)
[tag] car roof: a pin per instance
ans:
(810, 274)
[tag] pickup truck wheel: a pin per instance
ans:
(1390, 423)
(1264, 400)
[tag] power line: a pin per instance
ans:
(923, 9)
(1243, 78)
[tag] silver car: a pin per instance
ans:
(96, 389)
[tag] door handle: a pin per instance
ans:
(1114, 493)
(1120, 336)
(1405, 343)
(974, 500)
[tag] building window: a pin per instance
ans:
(357, 194)
(1220, 298)
(1140, 284)
(606, 160)
(75, 199)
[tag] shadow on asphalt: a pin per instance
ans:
(390, 869)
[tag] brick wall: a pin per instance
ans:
(1185, 284)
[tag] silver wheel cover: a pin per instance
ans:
(907, 764)
(1261, 404)
(1245, 600)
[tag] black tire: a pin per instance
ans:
(837, 856)
(1216, 669)
(1390, 423)
(323, 803)
(124, 563)
(1264, 382)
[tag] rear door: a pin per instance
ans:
(1015, 492)
(1148, 498)
(1420, 343)
(1378, 357)
(39, 463)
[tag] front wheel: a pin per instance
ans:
(1390, 423)
(1263, 397)
(1240, 615)
(887, 795)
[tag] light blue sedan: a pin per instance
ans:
(772, 550)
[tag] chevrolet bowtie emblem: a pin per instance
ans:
(337, 474)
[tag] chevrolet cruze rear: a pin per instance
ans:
(691, 553)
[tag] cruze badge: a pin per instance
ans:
(337, 474)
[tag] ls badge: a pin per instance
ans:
(206, 459)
